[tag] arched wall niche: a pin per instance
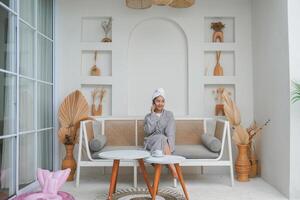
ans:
(157, 57)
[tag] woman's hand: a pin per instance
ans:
(152, 108)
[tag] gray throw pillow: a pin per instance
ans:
(211, 142)
(97, 143)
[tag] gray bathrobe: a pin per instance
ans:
(159, 131)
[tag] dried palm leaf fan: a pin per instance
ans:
(139, 4)
(73, 109)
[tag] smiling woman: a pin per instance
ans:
(159, 127)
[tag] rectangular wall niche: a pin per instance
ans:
(210, 94)
(229, 30)
(91, 29)
(103, 62)
(227, 61)
(107, 100)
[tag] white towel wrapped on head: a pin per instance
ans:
(158, 92)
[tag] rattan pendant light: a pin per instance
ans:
(139, 4)
(161, 2)
(142, 4)
(182, 3)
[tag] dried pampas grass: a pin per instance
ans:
(240, 134)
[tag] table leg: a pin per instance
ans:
(180, 178)
(117, 173)
(145, 175)
(156, 180)
(113, 179)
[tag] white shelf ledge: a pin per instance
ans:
(217, 80)
(219, 46)
(92, 46)
(96, 80)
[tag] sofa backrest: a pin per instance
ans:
(189, 131)
(130, 132)
(120, 132)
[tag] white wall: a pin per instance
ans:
(294, 53)
(69, 14)
(157, 57)
(271, 88)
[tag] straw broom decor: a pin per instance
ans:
(98, 92)
(73, 109)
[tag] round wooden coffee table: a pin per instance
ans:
(166, 160)
(118, 155)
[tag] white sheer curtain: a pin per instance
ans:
(26, 142)
(8, 149)
(45, 73)
(9, 119)
(45, 121)
(26, 106)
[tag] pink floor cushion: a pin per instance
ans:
(62, 195)
(50, 183)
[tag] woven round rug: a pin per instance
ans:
(143, 194)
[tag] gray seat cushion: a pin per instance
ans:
(111, 148)
(194, 152)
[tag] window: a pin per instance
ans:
(26, 92)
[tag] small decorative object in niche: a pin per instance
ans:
(97, 93)
(242, 137)
(218, 31)
(218, 70)
(106, 26)
(219, 108)
(95, 71)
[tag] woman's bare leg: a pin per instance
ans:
(171, 166)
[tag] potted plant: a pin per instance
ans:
(242, 137)
(73, 110)
(295, 92)
(106, 26)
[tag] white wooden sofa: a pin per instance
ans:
(128, 133)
